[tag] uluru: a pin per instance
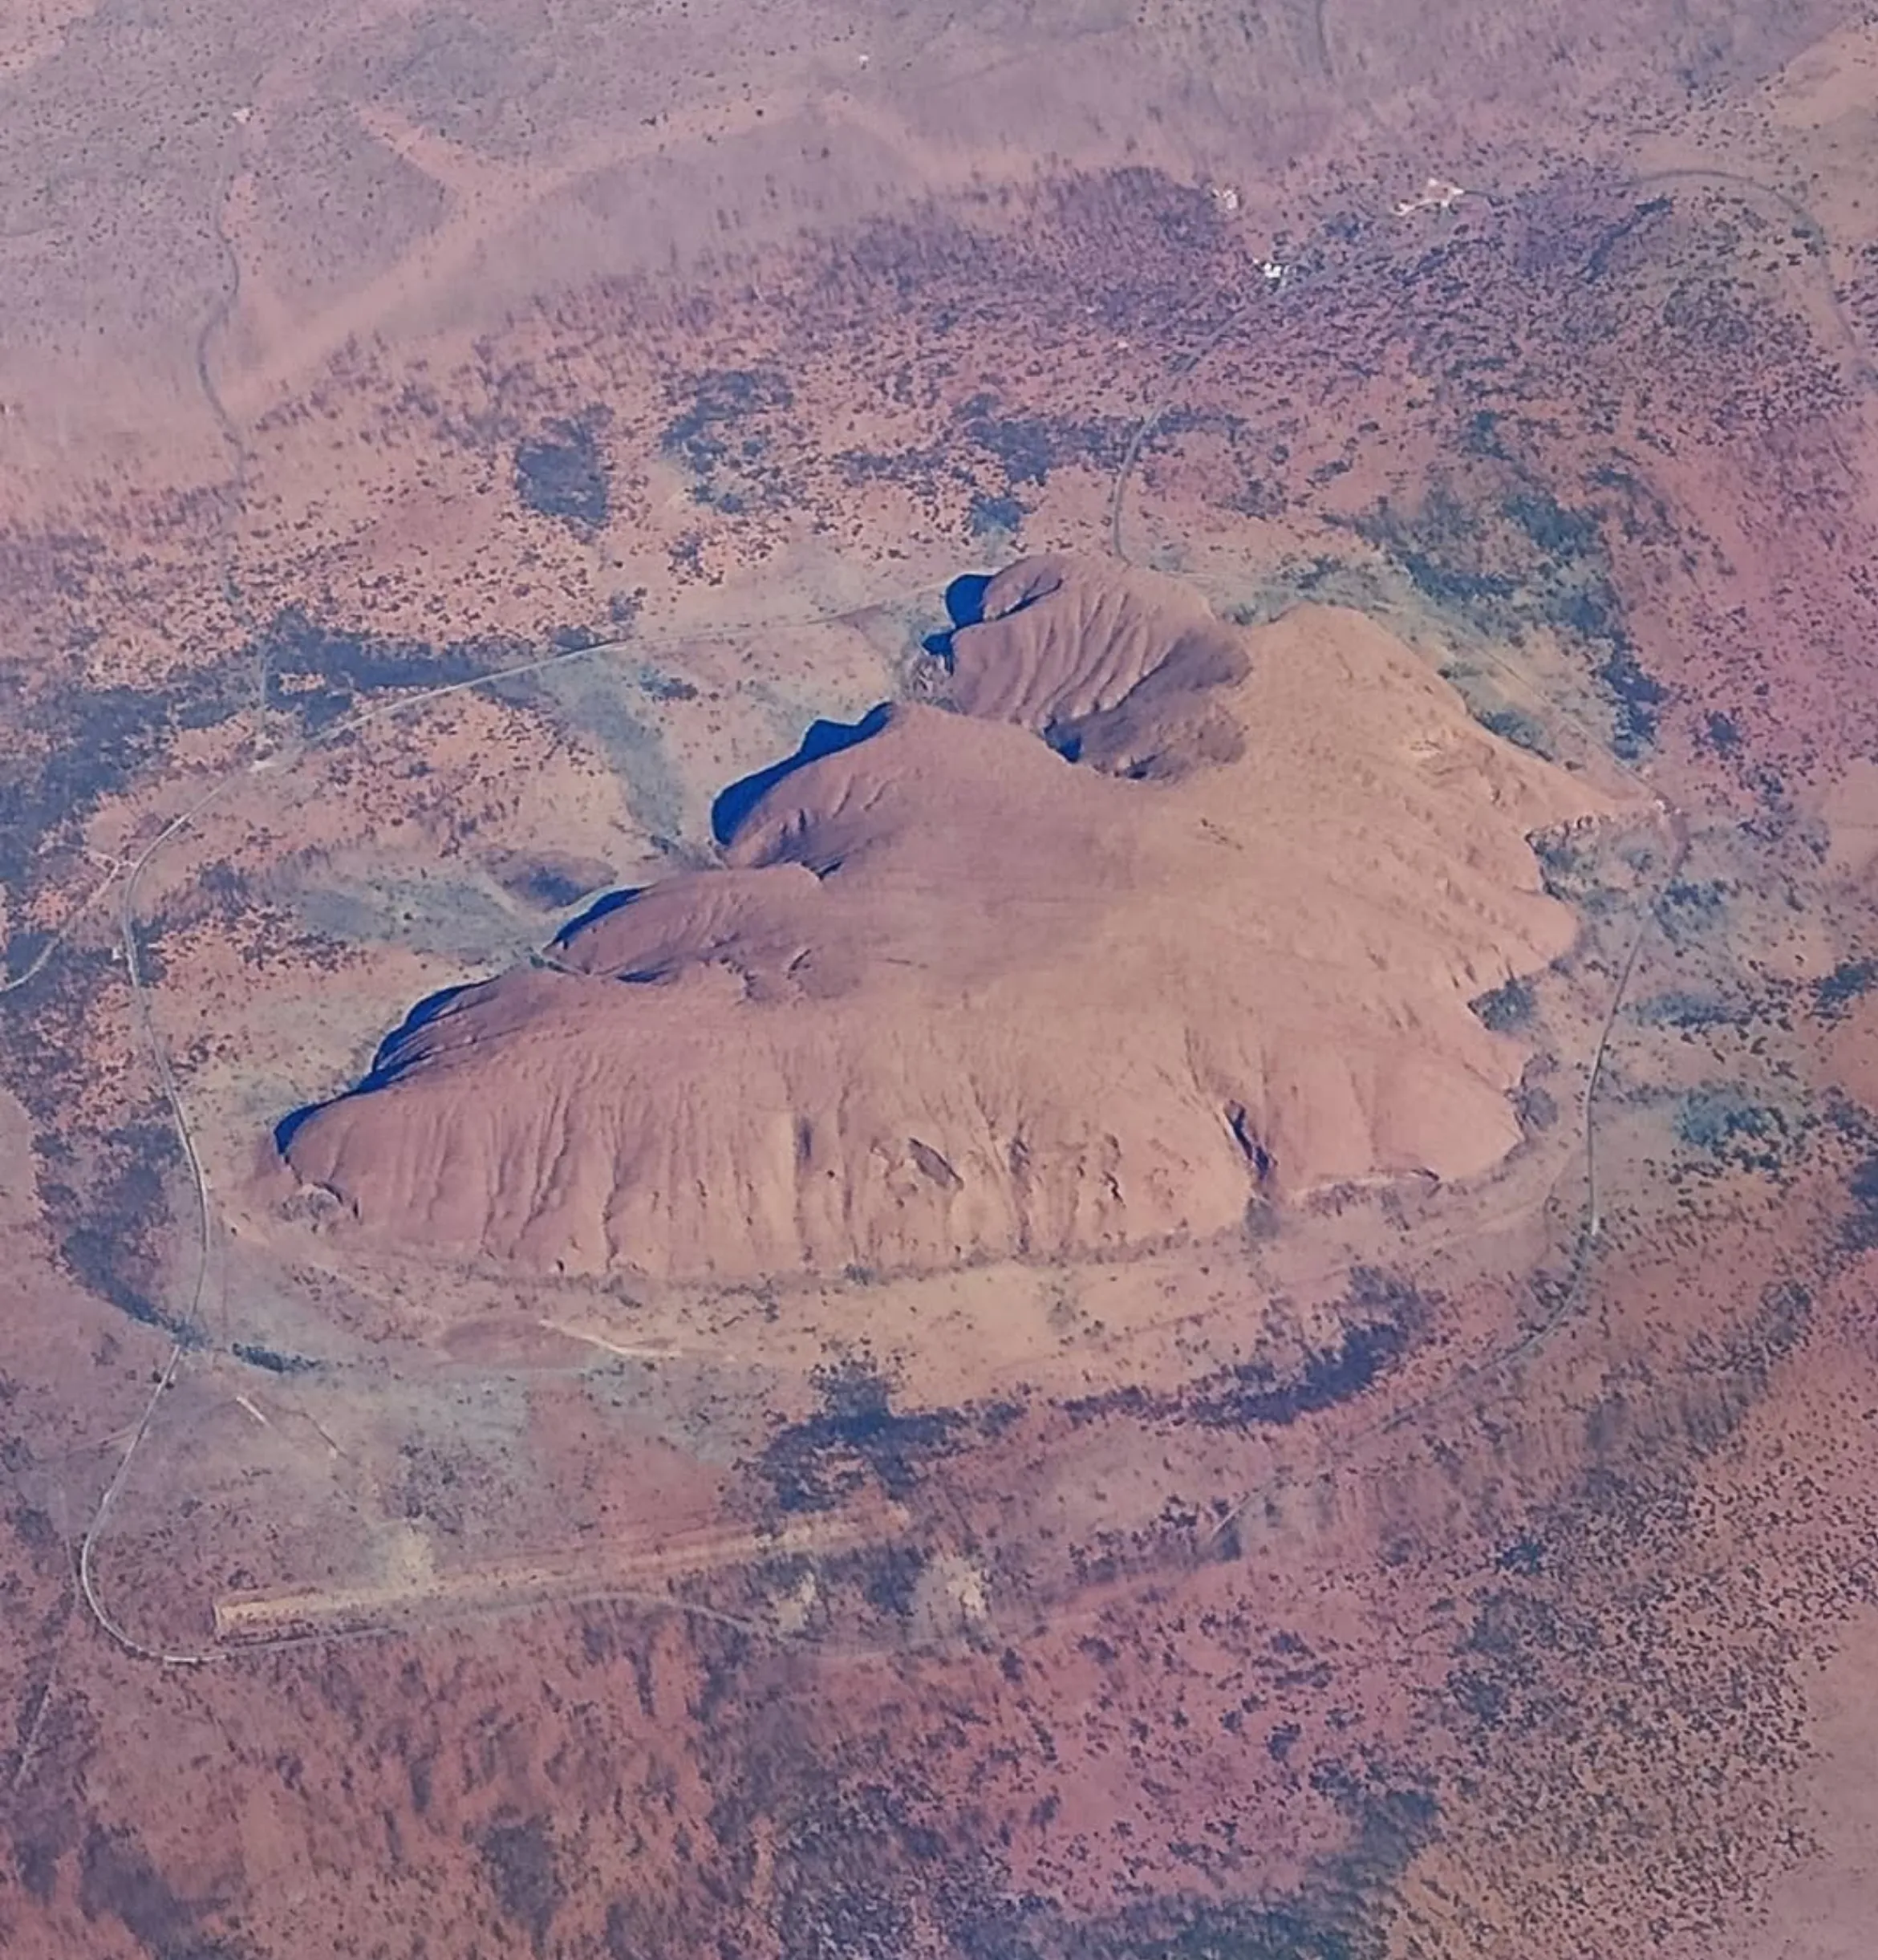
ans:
(1151, 916)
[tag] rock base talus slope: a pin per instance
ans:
(1167, 916)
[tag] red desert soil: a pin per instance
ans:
(1418, 1574)
(961, 991)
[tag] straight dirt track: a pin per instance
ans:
(418, 1593)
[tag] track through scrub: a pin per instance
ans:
(1591, 1222)
(1477, 1382)
(1735, 182)
(279, 764)
(1592, 1225)
(1474, 1382)
(1177, 376)
(66, 926)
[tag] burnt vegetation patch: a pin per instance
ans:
(113, 1221)
(1505, 555)
(1860, 1232)
(1731, 1130)
(999, 456)
(1689, 1012)
(563, 474)
(108, 1189)
(70, 747)
(1389, 1316)
(1384, 1316)
(858, 1439)
(725, 435)
(117, 1881)
(1336, 1913)
(704, 433)
(1850, 980)
(319, 673)
(1026, 447)
(1505, 1008)
(522, 1862)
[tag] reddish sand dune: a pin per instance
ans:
(955, 994)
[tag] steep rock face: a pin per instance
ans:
(1119, 669)
(955, 994)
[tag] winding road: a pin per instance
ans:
(133, 874)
